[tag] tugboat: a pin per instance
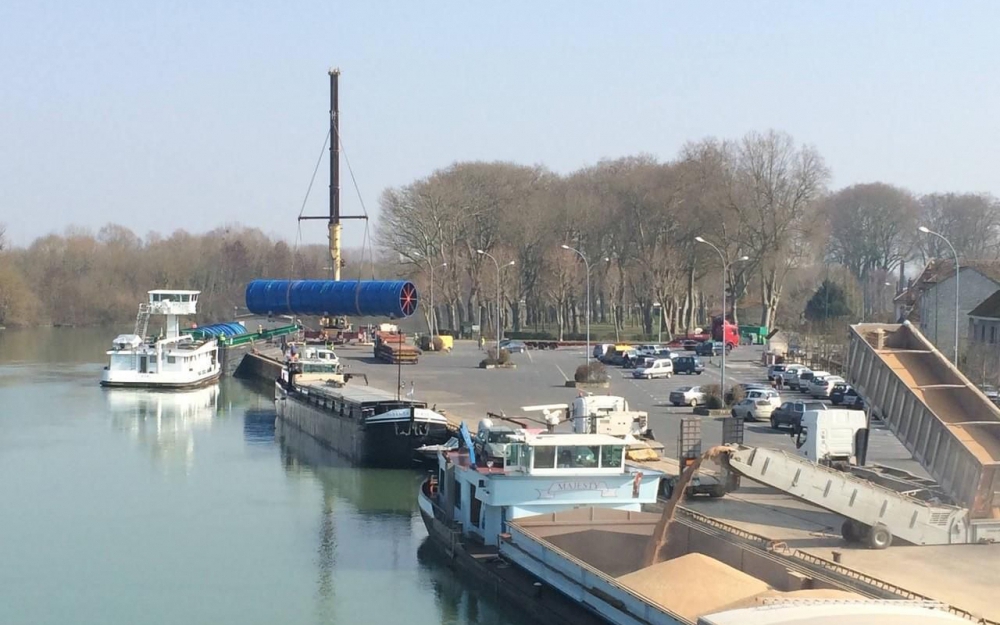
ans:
(171, 361)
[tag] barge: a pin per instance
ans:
(558, 527)
(367, 426)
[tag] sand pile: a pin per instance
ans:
(693, 585)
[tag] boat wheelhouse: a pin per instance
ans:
(171, 359)
(541, 474)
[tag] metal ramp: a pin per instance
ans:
(915, 521)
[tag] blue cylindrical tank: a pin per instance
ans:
(393, 299)
(217, 329)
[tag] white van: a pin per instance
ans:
(659, 368)
(830, 436)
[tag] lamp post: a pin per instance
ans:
(659, 321)
(725, 275)
(490, 256)
(927, 230)
(433, 323)
(587, 265)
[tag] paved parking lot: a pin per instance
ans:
(455, 384)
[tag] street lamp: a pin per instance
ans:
(490, 256)
(433, 324)
(587, 264)
(725, 275)
(659, 321)
(927, 230)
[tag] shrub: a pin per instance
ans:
(713, 396)
(736, 394)
(486, 362)
(438, 344)
(492, 356)
(592, 373)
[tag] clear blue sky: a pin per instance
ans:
(191, 115)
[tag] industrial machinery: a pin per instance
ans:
(951, 428)
(599, 414)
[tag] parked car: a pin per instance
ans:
(658, 368)
(852, 399)
(775, 369)
(748, 409)
(805, 385)
(513, 346)
(790, 413)
(838, 391)
(791, 371)
(601, 350)
(687, 395)
(820, 387)
(803, 375)
(709, 348)
(771, 396)
(690, 365)
(690, 344)
(630, 359)
(744, 389)
(664, 352)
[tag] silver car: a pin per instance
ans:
(687, 395)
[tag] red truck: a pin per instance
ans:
(732, 335)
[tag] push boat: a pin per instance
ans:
(172, 360)
(366, 425)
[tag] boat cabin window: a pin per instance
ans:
(579, 457)
(545, 457)
(529, 457)
(611, 456)
(514, 456)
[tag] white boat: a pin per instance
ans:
(173, 360)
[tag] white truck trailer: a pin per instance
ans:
(951, 428)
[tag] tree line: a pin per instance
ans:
(83, 278)
(762, 201)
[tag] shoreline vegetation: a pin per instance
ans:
(762, 200)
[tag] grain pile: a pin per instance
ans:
(693, 585)
(775, 596)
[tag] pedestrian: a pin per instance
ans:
(778, 381)
(482, 343)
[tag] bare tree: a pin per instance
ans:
(872, 228)
(777, 186)
(971, 221)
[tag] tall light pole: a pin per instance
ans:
(659, 321)
(433, 323)
(490, 256)
(725, 276)
(587, 265)
(958, 268)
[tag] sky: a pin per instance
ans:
(193, 115)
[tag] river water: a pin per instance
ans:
(121, 506)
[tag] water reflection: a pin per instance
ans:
(258, 426)
(164, 421)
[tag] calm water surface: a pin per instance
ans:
(125, 506)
